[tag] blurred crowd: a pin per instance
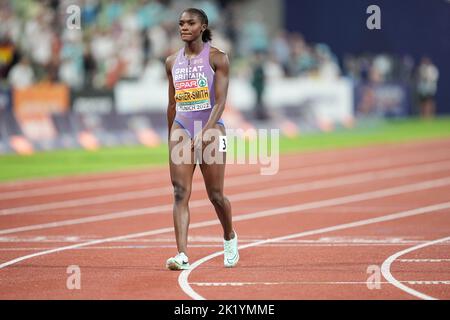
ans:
(131, 39)
(379, 68)
(372, 70)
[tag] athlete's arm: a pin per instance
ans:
(171, 107)
(221, 65)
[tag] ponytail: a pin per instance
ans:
(207, 35)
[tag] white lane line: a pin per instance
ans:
(308, 186)
(426, 282)
(114, 182)
(423, 260)
(230, 182)
(103, 217)
(272, 212)
(6, 249)
(122, 196)
(268, 245)
(241, 284)
(72, 183)
(219, 240)
(219, 246)
(115, 247)
(184, 275)
(62, 179)
(402, 148)
(289, 189)
(82, 186)
(386, 268)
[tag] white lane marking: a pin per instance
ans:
(64, 179)
(200, 246)
(219, 240)
(184, 275)
(307, 186)
(426, 282)
(115, 247)
(241, 284)
(272, 212)
(103, 217)
(87, 201)
(82, 186)
(117, 182)
(191, 245)
(386, 268)
(423, 260)
(233, 181)
(128, 173)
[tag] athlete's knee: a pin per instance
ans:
(216, 197)
(180, 193)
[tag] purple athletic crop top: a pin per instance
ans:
(193, 80)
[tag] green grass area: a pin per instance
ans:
(369, 133)
(69, 162)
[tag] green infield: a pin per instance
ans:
(71, 162)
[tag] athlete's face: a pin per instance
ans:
(191, 27)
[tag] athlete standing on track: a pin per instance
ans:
(198, 85)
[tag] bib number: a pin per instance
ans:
(223, 144)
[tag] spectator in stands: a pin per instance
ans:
(254, 35)
(69, 73)
(427, 78)
(117, 38)
(89, 67)
(328, 67)
(273, 69)
(21, 75)
(259, 84)
(8, 56)
(280, 48)
(302, 60)
(154, 70)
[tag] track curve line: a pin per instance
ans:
(183, 278)
(386, 269)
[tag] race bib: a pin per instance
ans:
(223, 144)
(192, 95)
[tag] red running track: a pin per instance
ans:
(362, 223)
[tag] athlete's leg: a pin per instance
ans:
(181, 177)
(213, 175)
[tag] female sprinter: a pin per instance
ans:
(198, 85)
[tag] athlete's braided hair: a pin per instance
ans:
(207, 34)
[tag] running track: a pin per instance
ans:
(310, 232)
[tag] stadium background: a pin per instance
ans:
(359, 208)
(301, 66)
